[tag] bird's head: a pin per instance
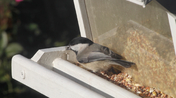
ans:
(79, 44)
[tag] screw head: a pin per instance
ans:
(23, 74)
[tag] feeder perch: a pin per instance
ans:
(52, 72)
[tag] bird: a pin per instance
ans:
(95, 57)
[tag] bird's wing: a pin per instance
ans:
(97, 52)
(108, 52)
(93, 56)
(98, 56)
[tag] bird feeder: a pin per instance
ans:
(51, 73)
(144, 34)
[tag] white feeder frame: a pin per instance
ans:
(51, 72)
(138, 2)
(172, 23)
(48, 73)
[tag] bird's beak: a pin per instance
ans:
(68, 48)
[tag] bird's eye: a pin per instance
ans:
(68, 48)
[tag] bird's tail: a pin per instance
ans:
(123, 63)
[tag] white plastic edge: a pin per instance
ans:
(138, 2)
(172, 22)
(91, 79)
(46, 81)
(80, 18)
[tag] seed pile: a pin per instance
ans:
(125, 81)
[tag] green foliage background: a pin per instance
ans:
(12, 43)
(8, 47)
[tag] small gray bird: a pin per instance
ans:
(95, 57)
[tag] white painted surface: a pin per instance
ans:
(91, 79)
(45, 57)
(138, 2)
(37, 56)
(41, 77)
(82, 17)
(47, 81)
(172, 22)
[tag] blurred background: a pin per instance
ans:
(25, 27)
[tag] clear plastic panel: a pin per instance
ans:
(141, 35)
